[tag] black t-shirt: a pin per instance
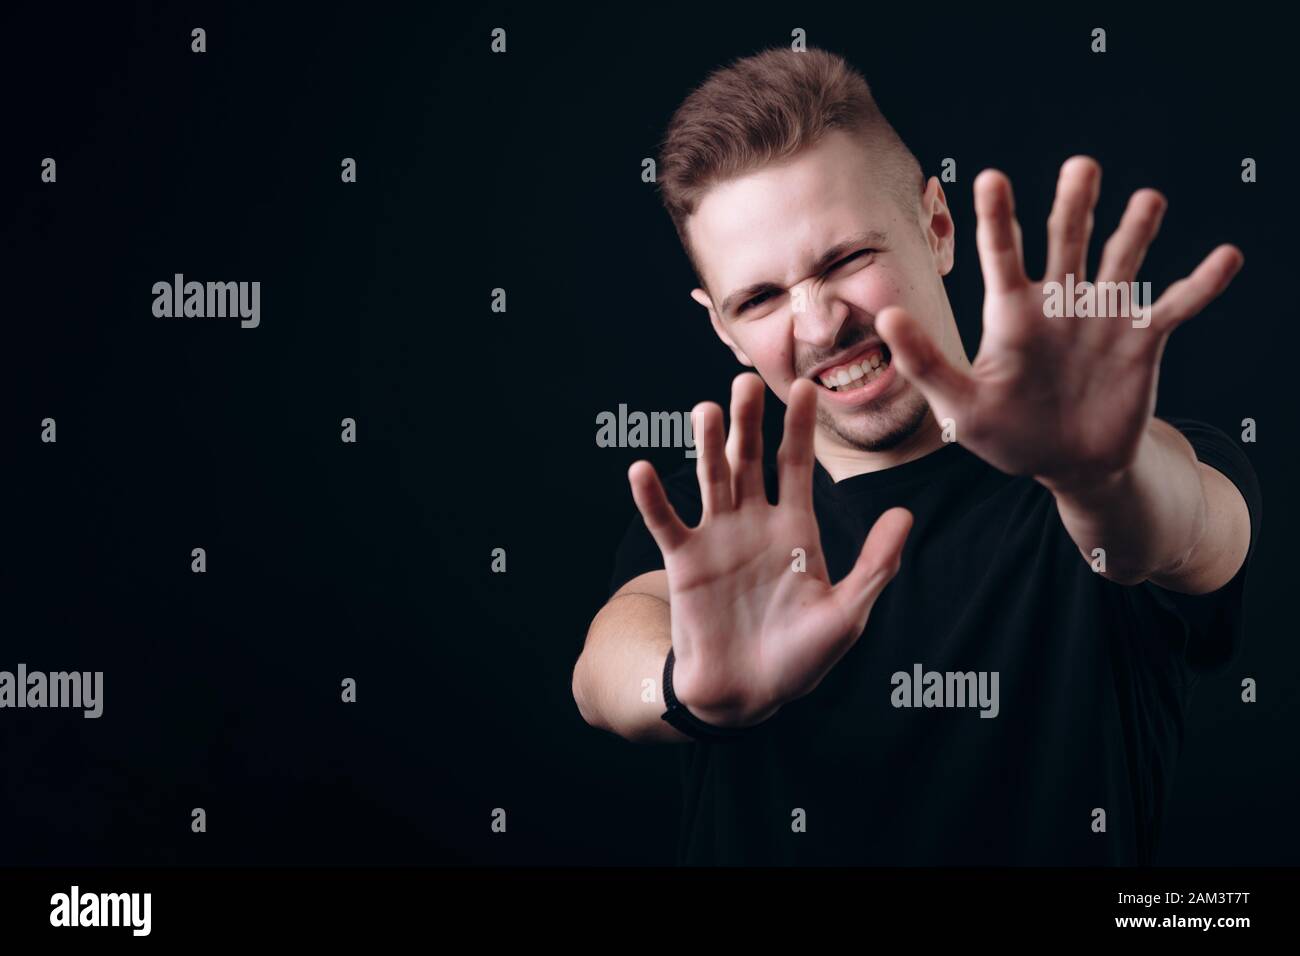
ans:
(1093, 684)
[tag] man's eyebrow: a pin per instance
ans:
(869, 238)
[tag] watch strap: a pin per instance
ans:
(678, 716)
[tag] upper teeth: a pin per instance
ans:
(869, 368)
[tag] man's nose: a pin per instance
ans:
(818, 314)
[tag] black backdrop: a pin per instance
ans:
(476, 429)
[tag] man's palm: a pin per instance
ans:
(755, 619)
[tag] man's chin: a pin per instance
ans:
(880, 425)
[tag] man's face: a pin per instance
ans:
(801, 257)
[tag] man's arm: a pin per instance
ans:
(1168, 518)
(628, 644)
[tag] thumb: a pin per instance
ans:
(920, 361)
(876, 566)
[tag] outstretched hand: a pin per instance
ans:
(1065, 399)
(756, 624)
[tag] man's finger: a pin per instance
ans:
(919, 360)
(1122, 256)
(997, 234)
(1188, 296)
(795, 458)
(711, 466)
(660, 518)
(745, 442)
(1069, 227)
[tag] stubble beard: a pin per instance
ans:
(879, 425)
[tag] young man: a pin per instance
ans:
(1063, 564)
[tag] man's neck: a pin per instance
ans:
(842, 461)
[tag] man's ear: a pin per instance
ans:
(937, 225)
(702, 297)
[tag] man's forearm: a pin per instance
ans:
(627, 646)
(1156, 521)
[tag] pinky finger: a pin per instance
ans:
(667, 528)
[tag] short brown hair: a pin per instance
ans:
(768, 107)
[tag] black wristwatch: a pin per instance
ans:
(678, 716)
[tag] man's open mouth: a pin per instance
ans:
(865, 368)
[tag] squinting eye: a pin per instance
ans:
(757, 300)
(850, 258)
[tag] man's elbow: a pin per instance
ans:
(581, 694)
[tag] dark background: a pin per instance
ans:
(476, 429)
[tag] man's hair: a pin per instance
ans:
(766, 108)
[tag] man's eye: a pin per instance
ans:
(757, 300)
(849, 258)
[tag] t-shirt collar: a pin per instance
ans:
(924, 468)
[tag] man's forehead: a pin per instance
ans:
(769, 224)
